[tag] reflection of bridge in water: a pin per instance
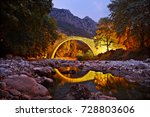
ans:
(89, 42)
(89, 76)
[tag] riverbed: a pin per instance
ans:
(40, 79)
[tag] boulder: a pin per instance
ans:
(26, 85)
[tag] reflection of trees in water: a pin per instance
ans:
(112, 85)
(108, 81)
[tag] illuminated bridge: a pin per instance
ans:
(89, 42)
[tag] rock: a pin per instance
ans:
(81, 92)
(42, 98)
(43, 71)
(147, 60)
(4, 94)
(141, 66)
(15, 98)
(25, 97)
(14, 92)
(77, 92)
(2, 85)
(9, 56)
(101, 96)
(47, 82)
(104, 97)
(147, 83)
(26, 85)
(70, 97)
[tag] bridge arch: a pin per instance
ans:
(87, 77)
(89, 42)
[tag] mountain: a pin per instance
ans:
(73, 25)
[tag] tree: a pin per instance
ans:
(105, 32)
(24, 27)
(131, 18)
(68, 49)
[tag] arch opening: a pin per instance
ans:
(74, 39)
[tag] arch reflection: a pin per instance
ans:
(89, 76)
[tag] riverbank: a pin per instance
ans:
(25, 79)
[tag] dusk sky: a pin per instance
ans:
(95, 9)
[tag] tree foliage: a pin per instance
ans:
(132, 18)
(25, 28)
(105, 32)
(67, 49)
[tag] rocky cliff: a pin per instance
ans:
(73, 25)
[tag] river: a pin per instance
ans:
(101, 83)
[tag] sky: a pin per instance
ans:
(95, 9)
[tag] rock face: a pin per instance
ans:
(73, 25)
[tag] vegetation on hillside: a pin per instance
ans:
(72, 30)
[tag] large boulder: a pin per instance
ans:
(26, 85)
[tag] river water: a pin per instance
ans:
(106, 84)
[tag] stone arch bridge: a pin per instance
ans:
(89, 42)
